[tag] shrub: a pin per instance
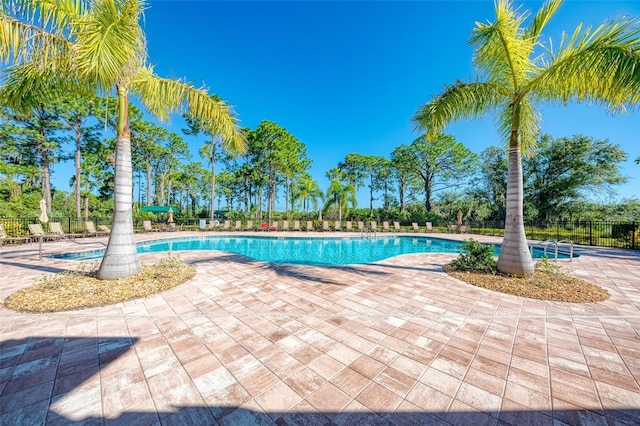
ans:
(476, 257)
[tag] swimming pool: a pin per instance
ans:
(306, 251)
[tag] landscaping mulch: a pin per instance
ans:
(543, 284)
(82, 289)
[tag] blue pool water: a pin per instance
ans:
(306, 251)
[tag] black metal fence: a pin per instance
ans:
(20, 226)
(617, 234)
(599, 233)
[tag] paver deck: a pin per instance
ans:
(395, 342)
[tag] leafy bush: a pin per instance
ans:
(476, 257)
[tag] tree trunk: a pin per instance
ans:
(46, 181)
(515, 258)
(78, 181)
(427, 195)
(121, 258)
(213, 178)
(148, 183)
(86, 200)
(371, 194)
(286, 196)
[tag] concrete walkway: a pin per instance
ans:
(396, 342)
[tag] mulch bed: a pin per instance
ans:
(82, 289)
(543, 284)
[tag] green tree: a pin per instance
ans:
(567, 169)
(84, 47)
(440, 164)
(277, 150)
(403, 173)
(75, 113)
(195, 127)
(490, 184)
(516, 72)
(37, 133)
(356, 168)
(339, 197)
(309, 191)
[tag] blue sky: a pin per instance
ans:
(347, 76)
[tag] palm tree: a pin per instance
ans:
(340, 196)
(309, 191)
(84, 47)
(600, 65)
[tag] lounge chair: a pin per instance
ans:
(90, 228)
(385, 226)
(238, 226)
(285, 225)
(361, 226)
(463, 229)
(227, 225)
(265, 227)
(249, 226)
(325, 225)
(337, 226)
(146, 225)
(274, 226)
(296, 225)
(37, 232)
(374, 226)
(429, 227)
(56, 228)
(349, 226)
(6, 238)
(107, 230)
(415, 226)
(452, 228)
(396, 226)
(310, 225)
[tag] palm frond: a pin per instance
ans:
(545, 13)
(460, 100)
(600, 65)
(529, 121)
(109, 43)
(22, 42)
(165, 96)
(29, 85)
(502, 53)
(55, 15)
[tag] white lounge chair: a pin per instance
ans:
(37, 232)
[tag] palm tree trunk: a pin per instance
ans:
(515, 258)
(121, 258)
(213, 178)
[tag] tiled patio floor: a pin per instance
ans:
(396, 342)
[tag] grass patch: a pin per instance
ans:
(81, 288)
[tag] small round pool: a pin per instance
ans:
(307, 251)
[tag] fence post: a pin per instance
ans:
(590, 232)
(633, 235)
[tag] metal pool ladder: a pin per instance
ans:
(368, 233)
(544, 245)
